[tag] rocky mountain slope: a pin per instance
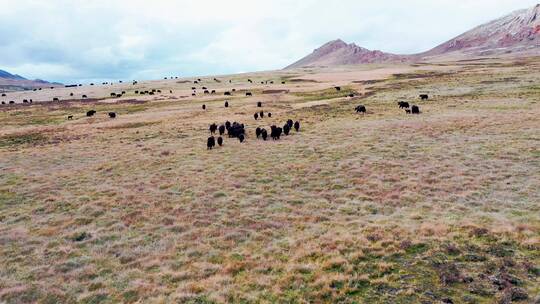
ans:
(516, 33)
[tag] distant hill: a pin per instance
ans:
(14, 82)
(6, 75)
(517, 33)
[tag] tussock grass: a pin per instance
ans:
(377, 208)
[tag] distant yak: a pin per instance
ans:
(259, 104)
(415, 110)
(249, 94)
(424, 96)
(220, 141)
(297, 126)
(360, 109)
(90, 113)
(256, 116)
(210, 143)
(403, 105)
(213, 128)
(112, 114)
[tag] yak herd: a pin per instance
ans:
(238, 130)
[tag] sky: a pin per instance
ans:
(76, 41)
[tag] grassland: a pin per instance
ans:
(377, 208)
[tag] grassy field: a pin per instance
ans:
(442, 207)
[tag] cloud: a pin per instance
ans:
(77, 41)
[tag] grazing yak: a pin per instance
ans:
(112, 114)
(234, 90)
(90, 113)
(194, 88)
(415, 110)
(249, 94)
(3, 94)
(360, 109)
(70, 117)
(170, 91)
(11, 102)
(264, 134)
(3, 102)
(204, 88)
(256, 116)
(213, 92)
(210, 143)
(206, 92)
(407, 111)
(213, 128)
(258, 132)
(337, 88)
(192, 94)
(226, 104)
(261, 114)
(56, 99)
(286, 129)
(424, 96)
(70, 94)
(227, 125)
(275, 132)
(221, 130)
(241, 138)
(297, 126)
(403, 105)
(25, 101)
(84, 96)
(236, 130)
(290, 123)
(227, 93)
(269, 114)
(250, 81)
(220, 141)
(351, 95)
(259, 104)
(113, 94)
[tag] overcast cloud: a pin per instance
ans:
(81, 41)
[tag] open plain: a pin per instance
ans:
(382, 207)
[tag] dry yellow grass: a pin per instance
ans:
(381, 208)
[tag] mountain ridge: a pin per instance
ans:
(515, 33)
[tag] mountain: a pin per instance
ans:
(6, 75)
(514, 33)
(13, 82)
(517, 33)
(338, 52)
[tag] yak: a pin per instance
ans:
(360, 109)
(210, 143)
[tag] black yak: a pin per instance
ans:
(213, 128)
(56, 99)
(261, 114)
(424, 96)
(193, 88)
(297, 126)
(70, 117)
(403, 105)
(70, 94)
(337, 88)
(227, 93)
(415, 110)
(236, 129)
(226, 104)
(259, 104)
(258, 132)
(227, 125)
(210, 143)
(221, 130)
(407, 111)
(241, 138)
(286, 129)
(220, 141)
(213, 92)
(256, 116)
(264, 134)
(249, 94)
(112, 114)
(204, 107)
(269, 114)
(206, 92)
(290, 123)
(113, 94)
(84, 96)
(360, 109)
(90, 113)
(192, 94)
(275, 132)
(11, 102)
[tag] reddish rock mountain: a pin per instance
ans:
(338, 52)
(516, 33)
